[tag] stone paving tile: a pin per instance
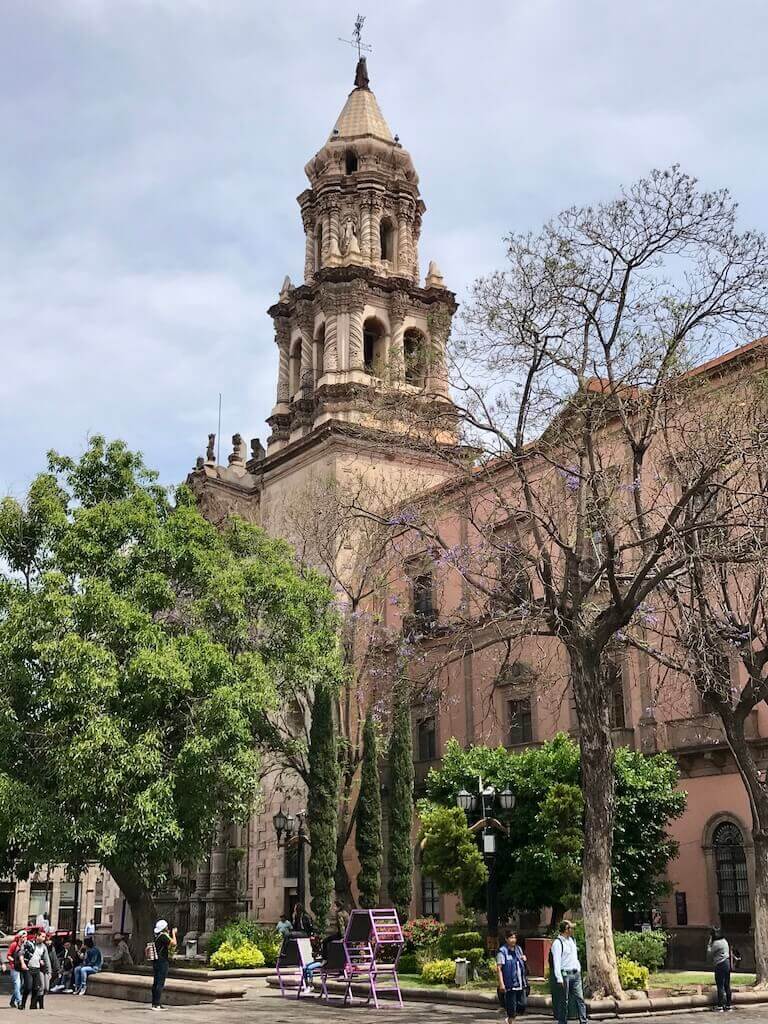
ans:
(263, 1006)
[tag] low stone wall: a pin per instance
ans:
(137, 988)
(540, 1005)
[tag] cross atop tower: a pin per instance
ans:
(357, 37)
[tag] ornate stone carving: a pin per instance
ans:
(257, 449)
(434, 277)
(285, 291)
(238, 450)
(210, 451)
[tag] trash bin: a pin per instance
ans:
(462, 971)
(537, 952)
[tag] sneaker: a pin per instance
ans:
(154, 1007)
(68, 991)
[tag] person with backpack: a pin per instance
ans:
(565, 975)
(159, 953)
(36, 963)
(511, 970)
(16, 979)
(720, 953)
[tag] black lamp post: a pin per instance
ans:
(291, 835)
(487, 826)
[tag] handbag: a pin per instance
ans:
(150, 951)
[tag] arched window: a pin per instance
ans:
(731, 868)
(373, 346)
(318, 247)
(387, 239)
(319, 353)
(294, 377)
(415, 350)
(350, 161)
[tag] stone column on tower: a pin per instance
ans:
(309, 245)
(330, 306)
(306, 321)
(397, 310)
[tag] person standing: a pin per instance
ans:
(165, 944)
(719, 952)
(510, 967)
(51, 978)
(566, 974)
(90, 929)
(12, 958)
(92, 965)
(35, 957)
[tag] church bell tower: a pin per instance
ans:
(361, 325)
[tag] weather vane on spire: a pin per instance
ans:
(356, 39)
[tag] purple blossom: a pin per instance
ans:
(394, 600)
(405, 517)
(572, 477)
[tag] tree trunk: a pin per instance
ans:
(734, 725)
(142, 904)
(597, 784)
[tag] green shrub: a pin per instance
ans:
(632, 975)
(467, 940)
(409, 964)
(439, 972)
(649, 949)
(423, 933)
(241, 930)
(229, 958)
(487, 969)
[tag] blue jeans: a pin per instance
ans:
(571, 987)
(159, 975)
(81, 976)
(16, 982)
(723, 982)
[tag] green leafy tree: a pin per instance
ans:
(323, 800)
(449, 852)
(368, 841)
(141, 650)
(539, 864)
(400, 855)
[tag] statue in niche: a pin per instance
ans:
(210, 451)
(349, 243)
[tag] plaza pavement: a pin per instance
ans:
(265, 1006)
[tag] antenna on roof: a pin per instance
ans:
(356, 39)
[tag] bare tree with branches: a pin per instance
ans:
(570, 375)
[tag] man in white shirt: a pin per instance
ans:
(566, 975)
(90, 929)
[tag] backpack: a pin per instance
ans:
(552, 959)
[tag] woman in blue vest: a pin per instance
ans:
(510, 964)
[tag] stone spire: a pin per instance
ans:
(361, 115)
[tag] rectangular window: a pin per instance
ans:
(427, 740)
(519, 721)
(430, 898)
(421, 589)
(67, 906)
(98, 901)
(614, 681)
(513, 586)
(291, 863)
(39, 903)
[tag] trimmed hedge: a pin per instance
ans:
(241, 931)
(439, 972)
(475, 956)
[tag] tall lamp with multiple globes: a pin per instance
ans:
(291, 835)
(480, 805)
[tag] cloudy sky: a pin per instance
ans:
(152, 151)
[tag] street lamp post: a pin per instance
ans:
(488, 826)
(291, 835)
